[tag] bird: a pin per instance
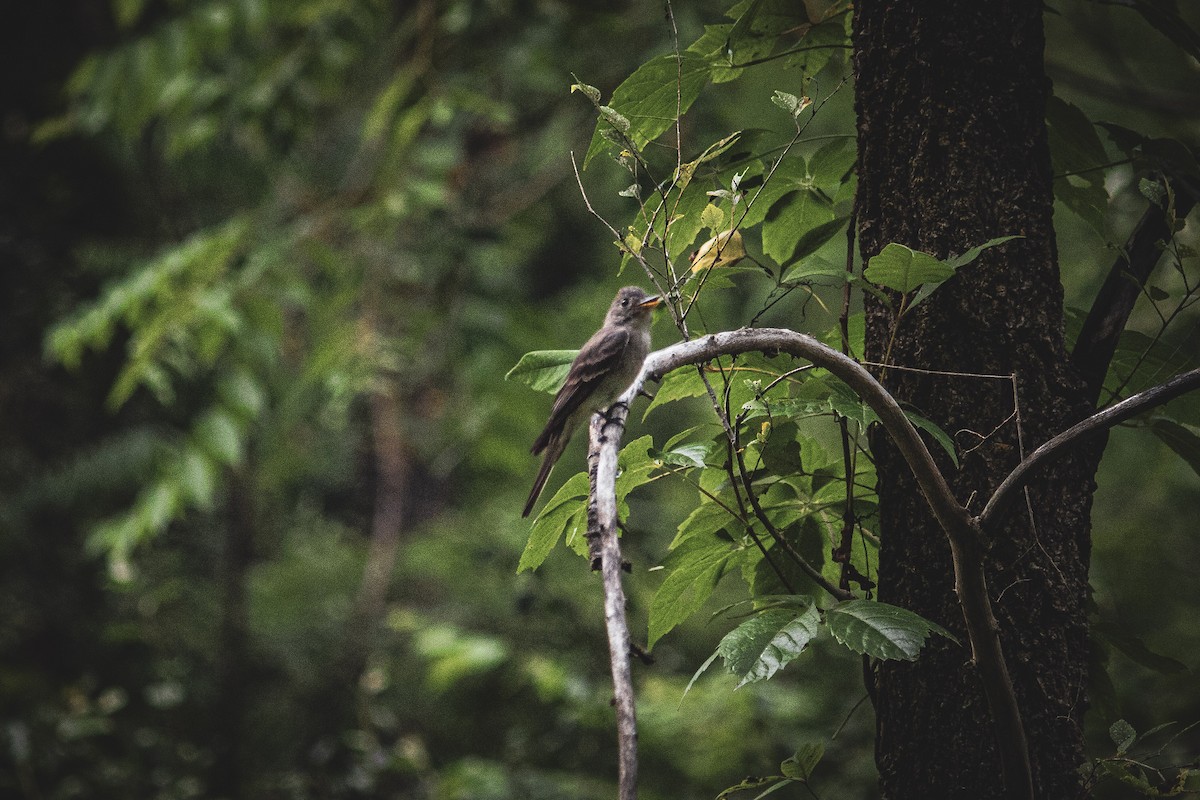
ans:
(601, 371)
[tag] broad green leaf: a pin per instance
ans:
(693, 571)
(635, 462)
(543, 370)
(650, 99)
(767, 642)
(801, 765)
(564, 511)
(814, 238)
(816, 270)
(880, 630)
(1183, 439)
(790, 219)
(693, 454)
(677, 385)
(1165, 17)
(903, 269)
(706, 520)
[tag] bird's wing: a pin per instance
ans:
(596, 360)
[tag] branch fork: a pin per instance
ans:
(966, 533)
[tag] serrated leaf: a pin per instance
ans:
(564, 511)
(650, 98)
(903, 269)
(880, 630)
(1123, 735)
(704, 521)
(767, 642)
(543, 370)
(713, 218)
(694, 569)
(689, 455)
(801, 765)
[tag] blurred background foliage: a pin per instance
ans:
(265, 265)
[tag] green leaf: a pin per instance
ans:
(693, 454)
(1183, 439)
(218, 435)
(880, 630)
(705, 521)
(694, 569)
(791, 103)
(973, 253)
(767, 642)
(1123, 736)
(801, 765)
(939, 435)
(713, 218)
(816, 270)
(903, 269)
(1164, 16)
(564, 511)
(650, 99)
(790, 219)
(677, 385)
(543, 370)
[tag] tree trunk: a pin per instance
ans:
(953, 152)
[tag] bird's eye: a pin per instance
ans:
(625, 302)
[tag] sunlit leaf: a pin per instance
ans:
(543, 370)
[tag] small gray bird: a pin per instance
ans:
(602, 370)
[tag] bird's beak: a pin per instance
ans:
(650, 302)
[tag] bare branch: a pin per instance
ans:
(602, 524)
(1098, 422)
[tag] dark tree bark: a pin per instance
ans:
(953, 152)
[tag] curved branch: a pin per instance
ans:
(966, 543)
(1098, 422)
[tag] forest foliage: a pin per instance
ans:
(323, 235)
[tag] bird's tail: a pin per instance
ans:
(540, 482)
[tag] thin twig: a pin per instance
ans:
(1097, 423)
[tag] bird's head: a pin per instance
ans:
(631, 304)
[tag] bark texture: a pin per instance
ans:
(953, 152)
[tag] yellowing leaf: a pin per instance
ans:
(723, 250)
